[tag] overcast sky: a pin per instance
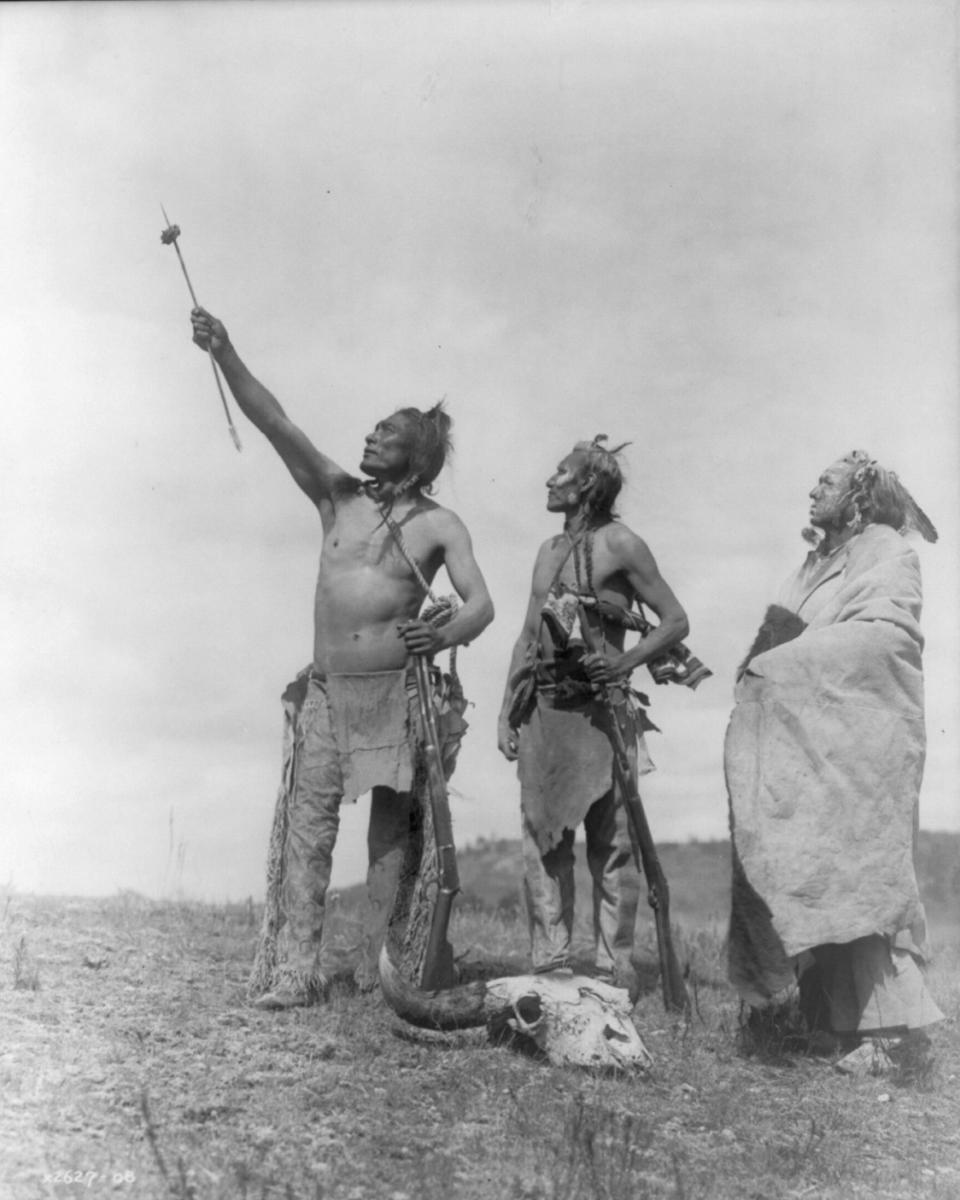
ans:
(722, 231)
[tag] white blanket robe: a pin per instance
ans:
(824, 756)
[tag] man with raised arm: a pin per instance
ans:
(352, 719)
(555, 722)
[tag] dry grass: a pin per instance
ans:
(138, 1068)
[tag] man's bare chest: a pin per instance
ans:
(586, 567)
(360, 537)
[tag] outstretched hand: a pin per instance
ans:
(208, 332)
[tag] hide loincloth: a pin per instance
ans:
(565, 760)
(367, 729)
(372, 722)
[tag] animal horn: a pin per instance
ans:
(460, 1007)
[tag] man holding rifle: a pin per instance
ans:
(577, 730)
(353, 718)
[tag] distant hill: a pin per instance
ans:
(698, 874)
(938, 869)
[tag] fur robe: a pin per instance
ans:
(823, 758)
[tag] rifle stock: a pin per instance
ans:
(438, 969)
(675, 998)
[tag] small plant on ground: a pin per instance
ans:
(26, 971)
(914, 1062)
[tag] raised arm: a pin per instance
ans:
(316, 474)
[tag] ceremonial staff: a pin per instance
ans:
(169, 238)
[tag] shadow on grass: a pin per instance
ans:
(778, 1034)
(471, 970)
(642, 978)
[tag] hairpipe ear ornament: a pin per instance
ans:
(169, 238)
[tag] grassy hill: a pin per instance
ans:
(699, 877)
(132, 1065)
(698, 874)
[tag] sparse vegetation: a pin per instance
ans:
(26, 972)
(139, 1070)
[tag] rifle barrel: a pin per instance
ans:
(438, 959)
(675, 997)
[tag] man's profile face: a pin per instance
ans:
(388, 449)
(828, 506)
(566, 485)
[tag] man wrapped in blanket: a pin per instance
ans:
(351, 718)
(824, 756)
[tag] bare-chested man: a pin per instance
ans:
(351, 731)
(561, 741)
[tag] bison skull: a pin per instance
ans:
(571, 1019)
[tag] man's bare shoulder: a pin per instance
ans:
(620, 539)
(624, 550)
(547, 553)
(549, 557)
(444, 522)
(555, 542)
